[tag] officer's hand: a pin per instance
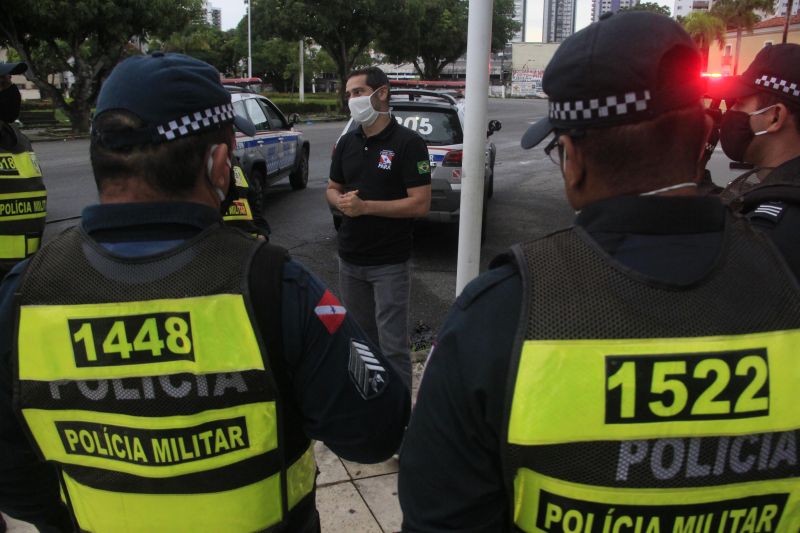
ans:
(351, 205)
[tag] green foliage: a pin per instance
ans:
(648, 6)
(320, 107)
(85, 37)
(431, 34)
(206, 43)
(704, 28)
(343, 28)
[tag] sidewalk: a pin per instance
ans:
(355, 498)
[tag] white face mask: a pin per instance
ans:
(362, 111)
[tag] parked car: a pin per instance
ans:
(277, 150)
(439, 119)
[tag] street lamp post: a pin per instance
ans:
(249, 42)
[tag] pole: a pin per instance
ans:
(786, 22)
(302, 75)
(479, 34)
(249, 42)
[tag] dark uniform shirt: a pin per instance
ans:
(381, 167)
(774, 207)
(450, 472)
(333, 409)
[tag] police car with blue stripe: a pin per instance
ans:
(277, 150)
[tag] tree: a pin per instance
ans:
(648, 6)
(85, 37)
(345, 29)
(704, 28)
(740, 14)
(430, 34)
(205, 42)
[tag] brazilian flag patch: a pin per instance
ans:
(424, 167)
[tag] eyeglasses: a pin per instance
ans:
(552, 145)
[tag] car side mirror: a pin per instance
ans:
(494, 125)
(294, 118)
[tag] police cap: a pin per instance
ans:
(625, 68)
(173, 94)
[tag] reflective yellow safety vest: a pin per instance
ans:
(23, 202)
(643, 407)
(147, 383)
(239, 214)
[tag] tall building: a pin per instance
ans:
(684, 7)
(780, 8)
(519, 16)
(559, 20)
(604, 6)
(212, 15)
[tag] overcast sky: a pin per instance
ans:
(234, 10)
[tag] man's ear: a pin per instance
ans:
(572, 164)
(781, 118)
(220, 174)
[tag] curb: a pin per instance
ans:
(51, 138)
(312, 119)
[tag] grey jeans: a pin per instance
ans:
(377, 297)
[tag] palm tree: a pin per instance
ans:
(704, 28)
(740, 14)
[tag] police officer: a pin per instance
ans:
(245, 211)
(636, 372)
(175, 370)
(23, 198)
(762, 127)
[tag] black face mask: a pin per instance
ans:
(10, 104)
(735, 133)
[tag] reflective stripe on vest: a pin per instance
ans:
(160, 412)
(695, 430)
(238, 210)
(242, 509)
(649, 388)
(23, 205)
(22, 165)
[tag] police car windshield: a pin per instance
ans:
(435, 125)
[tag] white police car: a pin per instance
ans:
(438, 118)
(277, 150)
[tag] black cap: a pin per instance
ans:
(12, 68)
(625, 68)
(173, 94)
(775, 70)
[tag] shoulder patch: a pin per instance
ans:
(330, 312)
(366, 371)
(771, 211)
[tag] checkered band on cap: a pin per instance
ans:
(777, 84)
(195, 122)
(600, 108)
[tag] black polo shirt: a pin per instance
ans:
(381, 167)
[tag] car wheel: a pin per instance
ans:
(299, 178)
(258, 183)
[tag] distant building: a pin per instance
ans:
(520, 7)
(684, 7)
(780, 8)
(610, 6)
(559, 20)
(765, 33)
(212, 15)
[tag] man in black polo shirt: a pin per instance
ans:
(380, 180)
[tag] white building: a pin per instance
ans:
(780, 8)
(212, 15)
(519, 15)
(605, 6)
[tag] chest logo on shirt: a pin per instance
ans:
(385, 160)
(330, 312)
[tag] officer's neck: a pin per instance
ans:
(378, 126)
(136, 190)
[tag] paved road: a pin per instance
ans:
(528, 202)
